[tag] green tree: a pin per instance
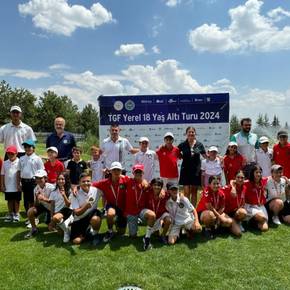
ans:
(286, 125)
(89, 120)
(260, 120)
(266, 120)
(234, 124)
(275, 122)
(51, 106)
(17, 96)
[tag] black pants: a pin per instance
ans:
(28, 186)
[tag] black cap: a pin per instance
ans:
(172, 185)
(282, 133)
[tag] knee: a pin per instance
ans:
(208, 217)
(77, 241)
(241, 214)
(167, 221)
(260, 218)
(95, 220)
(31, 212)
(56, 219)
(150, 215)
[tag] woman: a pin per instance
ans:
(190, 172)
(233, 162)
(235, 202)
(211, 208)
(255, 198)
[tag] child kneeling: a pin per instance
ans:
(182, 212)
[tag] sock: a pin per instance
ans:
(148, 232)
(61, 221)
(94, 232)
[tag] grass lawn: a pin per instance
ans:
(256, 261)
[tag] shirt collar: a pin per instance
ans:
(20, 124)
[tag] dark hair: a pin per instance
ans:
(114, 125)
(84, 174)
(240, 171)
(76, 148)
(213, 177)
(190, 127)
(67, 184)
(245, 120)
(157, 180)
(252, 172)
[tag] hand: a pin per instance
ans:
(145, 183)
(62, 192)
(74, 190)
(196, 226)
(40, 197)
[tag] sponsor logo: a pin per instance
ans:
(118, 105)
(130, 105)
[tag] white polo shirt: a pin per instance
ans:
(9, 170)
(148, 159)
(264, 160)
(211, 167)
(81, 198)
(16, 135)
(58, 199)
(97, 167)
(46, 191)
(180, 210)
(115, 151)
(276, 189)
(29, 165)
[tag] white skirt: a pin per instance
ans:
(252, 210)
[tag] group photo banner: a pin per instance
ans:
(154, 115)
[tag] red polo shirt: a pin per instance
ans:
(255, 194)
(281, 156)
(232, 166)
(114, 193)
(135, 197)
(217, 199)
(232, 203)
(157, 205)
(168, 161)
(53, 170)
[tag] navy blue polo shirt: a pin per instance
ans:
(64, 144)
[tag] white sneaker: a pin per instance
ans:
(66, 236)
(16, 218)
(242, 228)
(276, 220)
(8, 218)
(29, 224)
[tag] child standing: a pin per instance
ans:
(10, 184)
(211, 166)
(96, 164)
(76, 166)
(30, 163)
(264, 156)
(53, 166)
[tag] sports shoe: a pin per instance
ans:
(16, 218)
(96, 240)
(66, 236)
(31, 233)
(163, 240)
(146, 244)
(29, 226)
(8, 218)
(276, 220)
(27, 222)
(209, 234)
(242, 228)
(108, 236)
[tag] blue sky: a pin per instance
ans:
(87, 48)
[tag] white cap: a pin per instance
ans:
(263, 139)
(233, 143)
(143, 139)
(40, 173)
(168, 134)
(213, 148)
(116, 165)
(52, 148)
(15, 108)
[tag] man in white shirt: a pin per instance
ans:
(16, 132)
(146, 157)
(115, 147)
(264, 156)
(84, 205)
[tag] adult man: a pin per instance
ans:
(62, 140)
(16, 132)
(281, 152)
(247, 143)
(115, 147)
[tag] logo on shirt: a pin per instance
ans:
(122, 186)
(65, 141)
(181, 205)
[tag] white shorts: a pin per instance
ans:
(252, 210)
(158, 223)
(175, 229)
(166, 180)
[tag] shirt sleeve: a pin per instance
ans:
(128, 145)
(39, 164)
(74, 202)
(233, 138)
(203, 165)
(188, 204)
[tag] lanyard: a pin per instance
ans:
(153, 205)
(258, 190)
(114, 193)
(136, 194)
(278, 192)
(242, 199)
(216, 200)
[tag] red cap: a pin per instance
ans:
(138, 167)
(11, 149)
